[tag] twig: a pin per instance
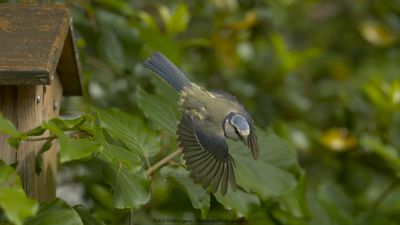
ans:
(71, 134)
(163, 161)
(40, 139)
(172, 162)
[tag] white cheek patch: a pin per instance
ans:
(245, 132)
(241, 124)
(229, 131)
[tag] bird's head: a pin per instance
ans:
(236, 127)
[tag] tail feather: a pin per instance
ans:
(164, 68)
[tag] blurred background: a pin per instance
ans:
(324, 75)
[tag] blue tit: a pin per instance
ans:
(208, 118)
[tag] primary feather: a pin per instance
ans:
(204, 126)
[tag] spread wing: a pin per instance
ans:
(251, 141)
(206, 155)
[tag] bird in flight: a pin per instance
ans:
(209, 117)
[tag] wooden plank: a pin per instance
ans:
(70, 57)
(28, 113)
(8, 97)
(50, 109)
(27, 107)
(32, 39)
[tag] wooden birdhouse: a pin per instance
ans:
(39, 64)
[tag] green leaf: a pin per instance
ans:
(294, 202)
(270, 176)
(57, 212)
(131, 131)
(148, 20)
(46, 146)
(159, 42)
(275, 150)
(93, 129)
(8, 177)
(70, 148)
(38, 164)
(199, 197)
(387, 152)
(121, 157)
(180, 18)
(331, 205)
(164, 115)
(14, 142)
(241, 202)
(86, 217)
(39, 157)
(74, 149)
(37, 131)
(166, 92)
(121, 7)
(13, 201)
(110, 46)
(178, 21)
(68, 124)
(291, 60)
(7, 127)
(130, 189)
(16, 205)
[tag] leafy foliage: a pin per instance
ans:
(268, 177)
(57, 212)
(13, 201)
(156, 109)
(198, 196)
(131, 190)
(131, 131)
(86, 217)
(241, 202)
(325, 82)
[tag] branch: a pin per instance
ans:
(40, 139)
(163, 161)
(71, 135)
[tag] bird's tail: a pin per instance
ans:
(164, 68)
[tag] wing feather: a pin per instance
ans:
(206, 155)
(252, 142)
(217, 178)
(225, 178)
(232, 179)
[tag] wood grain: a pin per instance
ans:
(8, 107)
(36, 42)
(27, 107)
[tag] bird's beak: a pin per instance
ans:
(244, 139)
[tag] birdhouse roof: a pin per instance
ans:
(36, 43)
